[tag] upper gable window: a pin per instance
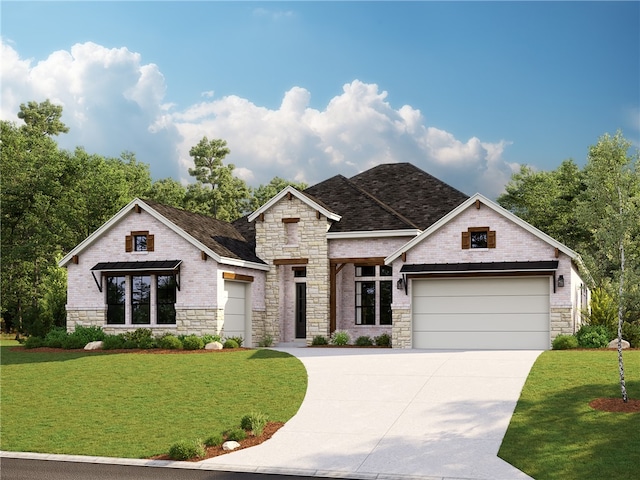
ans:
(139, 242)
(479, 237)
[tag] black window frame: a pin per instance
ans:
(166, 296)
(116, 299)
(140, 303)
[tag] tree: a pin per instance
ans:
(168, 192)
(228, 196)
(610, 209)
(264, 193)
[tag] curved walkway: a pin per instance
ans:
(377, 413)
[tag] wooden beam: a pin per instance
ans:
(137, 208)
(367, 261)
(557, 252)
(478, 204)
(404, 256)
(203, 256)
(290, 261)
(333, 272)
(318, 214)
(75, 259)
(237, 276)
(290, 220)
(289, 196)
(261, 217)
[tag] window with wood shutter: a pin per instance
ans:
(466, 240)
(478, 237)
(139, 242)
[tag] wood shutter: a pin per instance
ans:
(128, 243)
(150, 243)
(491, 239)
(466, 240)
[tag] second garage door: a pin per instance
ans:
(481, 313)
(235, 311)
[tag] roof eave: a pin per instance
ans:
(373, 234)
(300, 196)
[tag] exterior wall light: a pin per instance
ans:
(400, 284)
(561, 281)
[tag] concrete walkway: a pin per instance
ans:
(374, 413)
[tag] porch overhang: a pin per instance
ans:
(480, 267)
(152, 266)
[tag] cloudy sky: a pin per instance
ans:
(306, 90)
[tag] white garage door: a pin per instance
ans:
(481, 313)
(235, 318)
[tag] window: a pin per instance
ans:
(140, 299)
(115, 300)
(166, 299)
(299, 272)
(374, 295)
(478, 237)
(139, 242)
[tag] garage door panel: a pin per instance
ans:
(483, 322)
(235, 310)
(482, 340)
(482, 286)
(469, 305)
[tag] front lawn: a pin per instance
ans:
(554, 434)
(138, 404)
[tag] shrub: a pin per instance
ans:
(564, 342)
(230, 344)
(340, 337)
(113, 342)
(266, 341)
(383, 340)
(603, 311)
(209, 338)
(185, 450)
(90, 333)
(593, 336)
(34, 342)
(139, 338)
(192, 342)
(238, 340)
(364, 341)
(255, 422)
(74, 341)
(169, 342)
(319, 340)
(214, 440)
(236, 435)
(631, 333)
(55, 337)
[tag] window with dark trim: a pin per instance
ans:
(374, 295)
(299, 272)
(478, 237)
(386, 297)
(139, 242)
(116, 300)
(365, 303)
(166, 299)
(140, 299)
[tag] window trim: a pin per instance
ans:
(130, 244)
(467, 244)
(381, 275)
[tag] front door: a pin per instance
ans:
(301, 310)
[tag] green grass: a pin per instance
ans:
(138, 405)
(554, 434)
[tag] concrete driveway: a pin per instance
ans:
(378, 413)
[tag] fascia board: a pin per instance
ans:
(302, 197)
(373, 234)
(242, 263)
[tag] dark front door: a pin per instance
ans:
(301, 310)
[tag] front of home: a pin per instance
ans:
(391, 250)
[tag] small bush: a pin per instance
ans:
(230, 344)
(564, 342)
(236, 435)
(73, 342)
(266, 341)
(55, 337)
(383, 340)
(113, 342)
(34, 342)
(186, 450)
(340, 337)
(209, 338)
(364, 341)
(90, 333)
(593, 336)
(214, 440)
(192, 342)
(169, 342)
(631, 333)
(139, 338)
(255, 422)
(319, 340)
(238, 340)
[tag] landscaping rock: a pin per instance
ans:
(213, 346)
(93, 346)
(231, 445)
(614, 344)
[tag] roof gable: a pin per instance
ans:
(289, 190)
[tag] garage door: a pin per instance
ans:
(481, 313)
(235, 318)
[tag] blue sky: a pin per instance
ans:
(468, 91)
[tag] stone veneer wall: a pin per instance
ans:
(561, 321)
(401, 330)
(274, 242)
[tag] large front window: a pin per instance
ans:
(140, 299)
(166, 299)
(374, 295)
(116, 298)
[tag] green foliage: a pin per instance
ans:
(81, 336)
(230, 344)
(139, 338)
(34, 342)
(603, 311)
(564, 342)
(364, 341)
(192, 342)
(593, 336)
(383, 340)
(236, 435)
(319, 340)
(237, 339)
(113, 342)
(631, 333)
(187, 449)
(214, 440)
(267, 341)
(169, 342)
(55, 338)
(340, 337)
(264, 193)
(209, 338)
(254, 421)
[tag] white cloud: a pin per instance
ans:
(114, 102)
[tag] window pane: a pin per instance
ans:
(140, 243)
(386, 270)
(140, 299)
(115, 300)
(479, 239)
(166, 299)
(366, 303)
(386, 298)
(365, 271)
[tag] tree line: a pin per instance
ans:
(52, 199)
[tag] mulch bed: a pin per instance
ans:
(123, 350)
(250, 441)
(615, 405)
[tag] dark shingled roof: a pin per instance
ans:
(543, 265)
(152, 265)
(219, 236)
